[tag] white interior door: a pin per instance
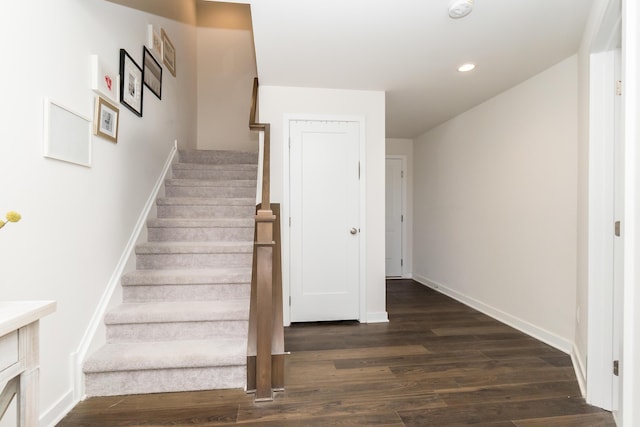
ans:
(393, 217)
(618, 243)
(325, 229)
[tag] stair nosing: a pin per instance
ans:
(137, 313)
(153, 355)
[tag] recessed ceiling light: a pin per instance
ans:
(466, 67)
(460, 8)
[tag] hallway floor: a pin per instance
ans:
(437, 362)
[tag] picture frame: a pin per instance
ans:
(130, 83)
(168, 53)
(106, 120)
(154, 41)
(67, 134)
(104, 81)
(152, 72)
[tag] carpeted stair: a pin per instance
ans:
(183, 322)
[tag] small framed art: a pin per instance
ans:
(154, 42)
(67, 134)
(130, 83)
(105, 120)
(168, 53)
(104, 81)
(152, 72)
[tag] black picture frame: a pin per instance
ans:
(151, 72)
(130, 83)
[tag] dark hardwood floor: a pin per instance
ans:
(436, 363)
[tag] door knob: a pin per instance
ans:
(354, 230)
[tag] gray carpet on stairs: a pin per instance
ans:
(183, 322)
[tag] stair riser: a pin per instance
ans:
(218, 157)
(164, 380)
(151, 293)
(129, 332)
(206, 211)
(186, 234)
(212, 175)
(221, 192)
(171, 261)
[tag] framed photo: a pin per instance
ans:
(168, 53)
(104, 81)
(152, 72)
(154, 42)
(67, 134)
(105, 120)
(130, 83)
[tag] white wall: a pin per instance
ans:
(404, 147)
(495, 205)
(77, 220)
(226, 68)
(275, 102)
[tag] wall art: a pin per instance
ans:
(67, 134)
(105, 120)
(154, 41)
(152, 73)
(168, 53)
(130, 83)
(104, 80)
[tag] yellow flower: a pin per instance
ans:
(13, 216)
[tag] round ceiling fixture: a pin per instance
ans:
(460, 8)
(466, 67)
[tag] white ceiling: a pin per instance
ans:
(411, 50)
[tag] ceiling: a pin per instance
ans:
(411, 49)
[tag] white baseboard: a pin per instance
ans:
(581, 372)
(540, 334)
(78, 357)
(58, 410)
(378, 317)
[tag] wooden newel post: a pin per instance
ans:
(264, 275)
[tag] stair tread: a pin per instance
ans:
(205, 201)
(132, 356)
(191, 182)
(201, 222)
(186, 306)
(216, 167)
(190, 276)
(194, 247)
(178, 311)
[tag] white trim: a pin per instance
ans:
(540, 334)
(286, 211)
(630, 363)
(52, 416)
(601, 219)
(601, 208)
(579, 369)
(78, 357)
(377, 317)
(405, 244)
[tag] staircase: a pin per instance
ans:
(184, 317)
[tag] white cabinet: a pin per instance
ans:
(19, 357)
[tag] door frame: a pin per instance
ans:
(405, 251)
(286, 208)
(600, 354)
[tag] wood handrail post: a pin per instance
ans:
(265, 347)
(266, 169)
(264, 246)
